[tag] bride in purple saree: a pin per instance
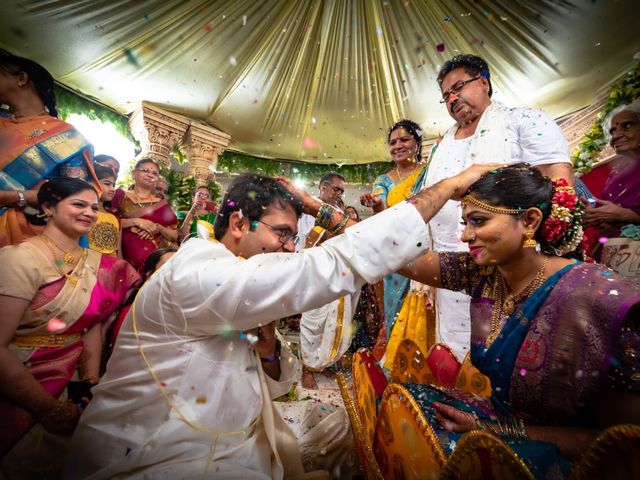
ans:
(558, 338)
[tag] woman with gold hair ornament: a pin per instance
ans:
(558, 338)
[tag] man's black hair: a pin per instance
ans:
(253, 194)
(471, 64)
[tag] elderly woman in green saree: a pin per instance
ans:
(558, 338)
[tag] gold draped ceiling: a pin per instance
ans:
(321, 81)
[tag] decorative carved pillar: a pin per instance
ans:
(575, 125)
(202, 145)
(427, 145)
(157, 131)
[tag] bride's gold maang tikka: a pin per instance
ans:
(491, 208)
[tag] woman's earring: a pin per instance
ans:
(529, 242)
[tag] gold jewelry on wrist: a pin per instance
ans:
(323, 217)
(341, 224)
(93, 379)
(55, 411)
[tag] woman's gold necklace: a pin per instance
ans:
(68, 258)
(505, 302)
(413, 168)
(138, 200)
(17, 116)
(58, 264)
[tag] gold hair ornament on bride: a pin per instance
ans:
(491, 208)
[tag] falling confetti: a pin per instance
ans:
(132, 58)
(440, 47)
(232, 60)
(309, 142)
(55, 325)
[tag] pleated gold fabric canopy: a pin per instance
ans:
(321, 81)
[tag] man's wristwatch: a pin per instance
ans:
(22, 201)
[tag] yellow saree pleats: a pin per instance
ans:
(416, 322)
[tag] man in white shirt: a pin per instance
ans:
(485, 131)
(188, 389)
(331, 189)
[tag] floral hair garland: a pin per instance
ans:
(562, 230)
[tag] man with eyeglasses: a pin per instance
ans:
(331, 189)
(485, 131)
(189, 386)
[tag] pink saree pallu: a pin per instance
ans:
(52, 357)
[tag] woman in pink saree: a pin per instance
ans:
(148, 222)
(617, 210)
(54, 295)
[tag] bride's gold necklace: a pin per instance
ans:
(505, 303)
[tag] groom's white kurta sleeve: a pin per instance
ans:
(183, 395)
(216, 292)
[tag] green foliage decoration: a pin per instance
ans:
(69, 103)
(234, 162)
(231, 162)
(625, 91)
(181, 186)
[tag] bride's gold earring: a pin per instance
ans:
(529, 242)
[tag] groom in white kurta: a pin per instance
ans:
(185, 394)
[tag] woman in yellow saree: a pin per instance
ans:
(405, 312)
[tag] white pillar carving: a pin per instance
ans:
(427, 145)
(575, 125)
(157, 131)
(202, 145)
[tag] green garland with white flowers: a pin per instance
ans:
(624, 92)
(234, 162)
(68, 102)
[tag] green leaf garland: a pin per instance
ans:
(233, 162)
(69, 102)
(624, 92)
